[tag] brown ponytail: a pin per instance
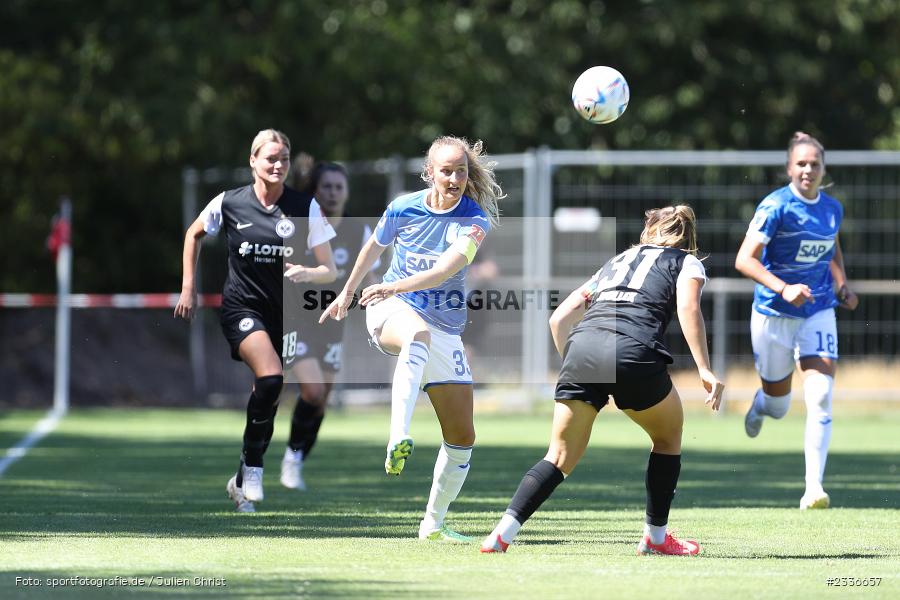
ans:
(673, 226)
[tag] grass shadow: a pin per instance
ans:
(74, 484)
(101, 584)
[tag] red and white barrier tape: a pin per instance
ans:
(105, 300)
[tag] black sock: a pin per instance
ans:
(305, 424)
(537, 485)
(260, 422)
(269, 432)
(662, 477)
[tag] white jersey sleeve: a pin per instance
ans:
(320, 230)
(691, 268)
(212, 215)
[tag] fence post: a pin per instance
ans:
(543, 244)
(197, 347)
(536, 250)
(63, 308)
(529, 262)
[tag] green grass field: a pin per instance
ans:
(140, 493)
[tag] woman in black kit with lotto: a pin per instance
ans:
(266, 226)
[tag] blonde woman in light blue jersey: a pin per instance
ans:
(418, 312)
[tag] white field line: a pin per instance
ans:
(43, 427)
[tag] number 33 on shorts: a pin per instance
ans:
(462, 366)
(447, 362)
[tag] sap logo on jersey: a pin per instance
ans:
(419, 262)
(812, 250)
(247, 249)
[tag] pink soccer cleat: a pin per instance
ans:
(493, 543)
(671, 545)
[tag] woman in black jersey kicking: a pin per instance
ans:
(266, 224)
(610, 335)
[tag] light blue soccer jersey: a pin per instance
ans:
(799, 235)
(420, 235)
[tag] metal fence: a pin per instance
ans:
(532, 252)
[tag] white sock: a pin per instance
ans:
(450, 472)
(817, 389)
(772, 406)
(405, 388)
(507, 529)
(657, 533)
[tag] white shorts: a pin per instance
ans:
(778, 342)
(447, 362)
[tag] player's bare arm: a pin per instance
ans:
(370, 253)
(324, 272)
(187, 301)
(567, 315)
(748, 262)
(448, 264)
(845, 295)
(694, 330)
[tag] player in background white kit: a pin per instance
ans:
(792, 252)
(419, 310)
(318, 349)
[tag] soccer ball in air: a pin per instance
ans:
(600, 95)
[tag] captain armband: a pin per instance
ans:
(468, 244)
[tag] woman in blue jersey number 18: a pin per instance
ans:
(419, 311)
(792, 252)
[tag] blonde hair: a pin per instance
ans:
(269, 135)
(801, 138)
(672, 226)
(482, 186)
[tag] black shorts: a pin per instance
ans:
(322, 342)
(599, 363)
(240, 321)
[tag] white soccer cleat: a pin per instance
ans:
(292, 470)
(753, 421)
(815, 500)
(252, 484)
(241, 504)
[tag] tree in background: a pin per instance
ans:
(108, 100)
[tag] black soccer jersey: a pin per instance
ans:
(259, 239)
(634, 293)
(351, 236)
